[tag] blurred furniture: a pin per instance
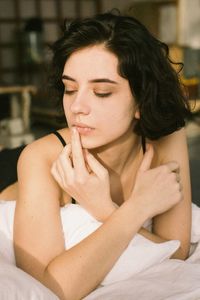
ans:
(14, 14)
(195, 104)
(14, 46)
(193, 125)
(23, 106)
(15, 130)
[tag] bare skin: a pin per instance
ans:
(10, 193)
(155, 185)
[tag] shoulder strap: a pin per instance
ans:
(59, 136)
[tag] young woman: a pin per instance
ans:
(125, 159)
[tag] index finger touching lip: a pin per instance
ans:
(77, 151)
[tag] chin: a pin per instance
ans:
(90, 146)
(91, 143)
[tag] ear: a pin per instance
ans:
(137, 114)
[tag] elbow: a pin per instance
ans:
(181, 253)
(51, 282)
(61, 286)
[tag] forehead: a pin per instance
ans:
(92, 62)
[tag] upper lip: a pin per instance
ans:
(81, 125)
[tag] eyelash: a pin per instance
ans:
(69, 92)
(103, 95)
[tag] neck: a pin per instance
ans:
(120, 154)
(121, 158)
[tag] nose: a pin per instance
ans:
(80, 104)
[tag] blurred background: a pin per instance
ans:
(27, 27)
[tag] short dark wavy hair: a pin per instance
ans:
(143, 60)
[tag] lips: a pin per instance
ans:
(81, 125)
(83, 128)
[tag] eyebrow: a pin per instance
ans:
(66, 77)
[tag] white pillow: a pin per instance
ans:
(77, 224)
(7, 209)
(140, 254)
(16, 284)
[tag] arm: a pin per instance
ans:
(39, 243)
(176, 222)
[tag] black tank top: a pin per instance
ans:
(59, 136)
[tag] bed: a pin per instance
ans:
(144, 271)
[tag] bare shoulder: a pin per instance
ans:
(171, 147)
(46, 148)
(36, 160)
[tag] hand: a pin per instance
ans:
(84, 178)
(156, 190)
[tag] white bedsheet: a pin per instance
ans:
(144, 271)
(169, 280)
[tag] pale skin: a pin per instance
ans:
(10, 192)
(154, 185)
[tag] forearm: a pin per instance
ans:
(86, 264)
(151, 236)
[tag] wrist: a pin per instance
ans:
(108, 211)
(143, 204)
(138, 209)
(128, 218)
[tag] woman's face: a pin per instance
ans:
(97, 100)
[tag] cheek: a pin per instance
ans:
(66, 107)
(116, 123)
(122, 114)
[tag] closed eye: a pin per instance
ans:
(102, 95)
(69, 92)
